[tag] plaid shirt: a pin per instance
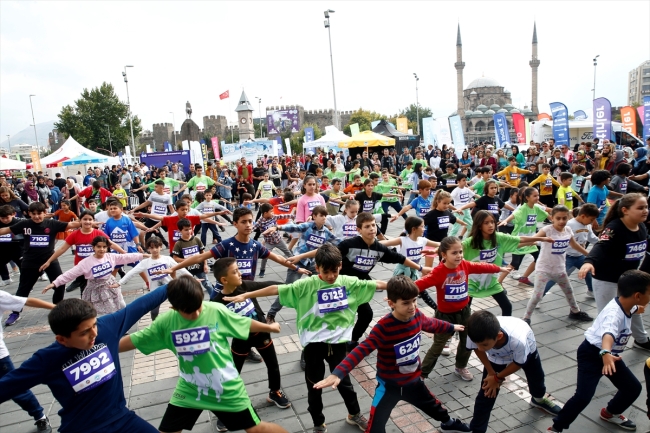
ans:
(266, 223)
(311, 238)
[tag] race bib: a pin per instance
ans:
(312, 204)
(193, 341)
(456, 292)
(267, 187)
(245, 266)
(602, 203)
(159, 209)
(284, 208)
(6, 238)
(91, 371)
(623, 187)
(569, 196)
(450, 182)
(364, 263)
(208, 209)
(493, 208)
(635, 250)
(531, 220)
(349, 230)
(245, 308)
(548, 183)
(620, 343)
(153, 276)
(559, 247)
(408, 351)
(166, 190)
(464, 198)
(200, 187)
(190, 251)
(118, 237)
(101, 270)
(579, 183)
(443, 222)
(368, 205)
(423, 211)
(119, 195)
(315, 241)
(85, 250)
(333, 299)
(39, 241)
(414, 254)
(176, 235)
(514, 176)
(487, 255)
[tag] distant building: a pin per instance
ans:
(23, 150)
(55, 140)
(638, 83)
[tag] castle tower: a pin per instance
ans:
(460, 65)
(245, 117)
(534, 64)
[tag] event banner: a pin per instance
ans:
(215, 147)
(457, 132)
(36, 160)
(251, 150)
(309, 134)
(501, 130)
(528, 134)
(443, 133)
(427, 131)
(602, 118)
(402, 125)
(287, 142)
(281, 121)
(167, 146)
(560, 123)
(519, 123)
(628, 117)
(646, 117)
(641, 109)
(204, 151)
(579, 115)
(542, 116)
(354, 129)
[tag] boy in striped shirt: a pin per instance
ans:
(396, 337)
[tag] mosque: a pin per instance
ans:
(484, 97)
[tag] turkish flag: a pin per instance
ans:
(225, 95)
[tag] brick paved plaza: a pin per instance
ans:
(149, 380)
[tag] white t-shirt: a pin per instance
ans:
(344, 227)
(149, 266)
(582, 234)
(159, 203)
(412, 249)
(520, 344)
(102, 217)
(552, 256)
(8, 303)
(434, 162)
(209, 207)
(461, 196)
(191, 212)
(611, 320)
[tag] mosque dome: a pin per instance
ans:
(508, 107)
(490, 112)
(514, 110)
(468, 112)
(502, 110)
(481, 108)
(483, 82)
(473, 92)
(494, 107)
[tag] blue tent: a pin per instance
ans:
(84, 159)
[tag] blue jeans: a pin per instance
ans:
(292, 277)
(207, 285)
(204, 232)
(412, 197)
(27, 400)
(572, 263)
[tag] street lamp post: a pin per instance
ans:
(417, 102)
(128, 101)
(329, 33)
(174, 128)
(110, 144)
(595, 64)
(9, 141)
(38, 148)
(259, 109)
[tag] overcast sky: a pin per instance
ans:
(279, 51)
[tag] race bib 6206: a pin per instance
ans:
(193, 341)
(559, 247)
(443, 222)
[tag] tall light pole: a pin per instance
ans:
(110, 143)
(259, 108)
(417, 102)
(174, 128)
(9, 141)
(38, 148)
(329, 33)
(128, 101)
(595, 64)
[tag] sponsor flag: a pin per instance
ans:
(579, 115)
(519, 123)
(501, 130)
(225, 95)
(628, 116)
(287, 142)
(402, 125)
(204, 151)
(541, 116)
(428, 135)
(215, 147)
(309, 134)
(354, 129)
(646, 117)
(457, 132)
(602, 119)
(641, 109)
(167, 146)
(36, 160)
(560, 123)
(528, 135)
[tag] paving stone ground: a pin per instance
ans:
(150, 380)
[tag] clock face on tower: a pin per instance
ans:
(243, 120)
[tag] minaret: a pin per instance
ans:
(534, 64)
(460, 65)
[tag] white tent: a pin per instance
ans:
(11, 164)
(331, 138)
(71, 149)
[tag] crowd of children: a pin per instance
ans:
(336, 238)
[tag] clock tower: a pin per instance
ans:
(245, 118)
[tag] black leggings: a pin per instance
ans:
(12, 251)
(29, 277)
(518, 258)
(503, 301)
(363, 321)
(264, 344)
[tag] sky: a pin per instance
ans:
(279, 51)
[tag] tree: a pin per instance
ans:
(231, 135)
(89, 120)
(411, 113)
(257, 130)
(364, 118)
(298, 138)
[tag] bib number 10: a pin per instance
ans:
(189, 337)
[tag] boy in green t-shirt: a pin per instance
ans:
(326, 306)
(565, 193)
(197, 331)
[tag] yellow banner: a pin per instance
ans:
(628, 118)
(36, 160)
(402, 125)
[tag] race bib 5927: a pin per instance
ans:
(193, 341)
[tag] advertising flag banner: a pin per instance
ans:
(204, 152)
(225, 95)
(602, 119)
(36, 160)
(402, 125)
(528, 134)
(373, 124)
(215, 147)
(628, 117)
(428, 134)
(542, 116)
(280, 121)
(354, 129)
(641, 109)
(287, 142)
(309, 134)
(519, 123)
(457, 132)
(579, 115)
(646, 117)
(560, 123)
(442, 131)
(168, 146)
(501, 130)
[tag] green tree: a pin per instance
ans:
(364, 118)
(257, 130)
(411, 113)
(232, 136)
(91, 116)
(298, 138)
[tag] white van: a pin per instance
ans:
(582, 131)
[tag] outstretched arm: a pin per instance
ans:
(268, 291)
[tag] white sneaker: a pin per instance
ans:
(538, 306)
(6, 282)
(44, 277)
(446, 351)
(515, 275)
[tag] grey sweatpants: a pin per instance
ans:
(604, 291)
(281, 246)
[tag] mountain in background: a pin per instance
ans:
(26, 136)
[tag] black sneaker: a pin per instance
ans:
(581, 316)
(221, 426)
(43, 425)
(527, 321)
(279, 399)
(261, 275)
(303, 363)
(644, 346)
(253, 357)
(546, 405)
(72, 287)
(456, 426)
(350, 345)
